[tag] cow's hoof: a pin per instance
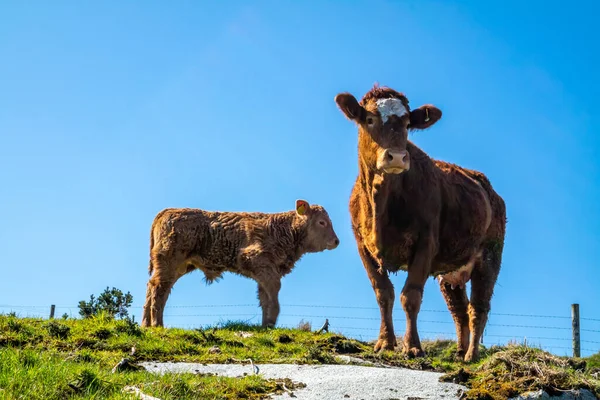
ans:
(385, 344)
(413, 352)
(459, 356)
(472, 356)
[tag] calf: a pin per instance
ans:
(260, 246)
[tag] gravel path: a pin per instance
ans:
(335, 381)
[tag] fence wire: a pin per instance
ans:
(494, 330)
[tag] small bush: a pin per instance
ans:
(112, 301)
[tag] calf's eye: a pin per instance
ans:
(370, 121)
(322, 223)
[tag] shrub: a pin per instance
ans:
(112, 301)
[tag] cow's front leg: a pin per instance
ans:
(412, 292)
(378, 206)
(268, 295)
(384, 292)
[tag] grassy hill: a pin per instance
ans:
(41, 359)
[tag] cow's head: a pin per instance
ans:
(318, 227)
(384, 118)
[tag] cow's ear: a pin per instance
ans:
(424, 116)
(302, 207)
(350, 107)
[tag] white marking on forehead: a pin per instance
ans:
(388, 107)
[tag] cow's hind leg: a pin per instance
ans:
(483, 280)
(458, 304)
(412, 292)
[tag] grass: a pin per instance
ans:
(41, 359)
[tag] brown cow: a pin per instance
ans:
(260, 246)
(427, 217)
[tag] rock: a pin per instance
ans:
(138, 393)
(351, 360)
(126, 365)
(214, 350)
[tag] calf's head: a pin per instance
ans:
(319, 233)
(384, 118)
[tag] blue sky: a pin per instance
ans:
(111, 111)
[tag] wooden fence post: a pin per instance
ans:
(52, 307)
(576, 332)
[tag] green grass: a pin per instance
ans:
(41, 359)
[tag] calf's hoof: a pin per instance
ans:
(385, 344)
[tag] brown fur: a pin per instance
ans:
(260, 246)
(434, 218)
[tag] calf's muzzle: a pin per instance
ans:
(333, 244)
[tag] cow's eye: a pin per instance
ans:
(369, 121)
(322, 223)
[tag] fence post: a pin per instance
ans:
(575, 326)
(52, 307)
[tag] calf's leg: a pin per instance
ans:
(384, 292)
(458, 304)
(412, 293)
(161, 282)
(268, 295)
(146, 314)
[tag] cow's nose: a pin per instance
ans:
(336, 242)
(394, 161)
(395, 157)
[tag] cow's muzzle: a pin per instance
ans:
(393, 161)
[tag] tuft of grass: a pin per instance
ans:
(593, 362)
(304, 326)
(58, 330)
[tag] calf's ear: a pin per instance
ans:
(302, 207)
(424, 116)
(350, 107)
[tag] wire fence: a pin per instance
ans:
(553, 333)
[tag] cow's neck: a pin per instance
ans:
(381, 189)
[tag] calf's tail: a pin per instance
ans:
(156, 218)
